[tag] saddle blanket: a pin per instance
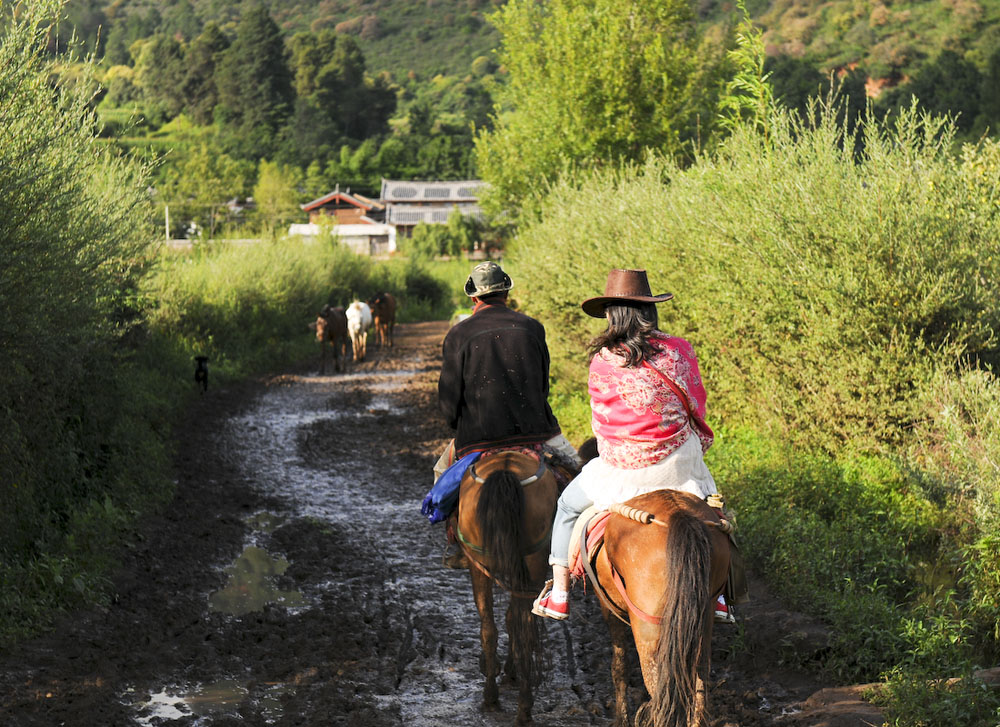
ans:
(595, 521)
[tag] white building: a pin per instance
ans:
(364, 239)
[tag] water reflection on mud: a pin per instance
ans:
(251, 584)
(208, 700)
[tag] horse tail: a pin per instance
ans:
(687, 583)
(500, 515)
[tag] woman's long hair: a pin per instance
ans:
(628, 331)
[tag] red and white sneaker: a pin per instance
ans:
(723, 613)
(545, 607)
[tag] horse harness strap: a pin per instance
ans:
(482, 551)
(539, 473)
(655, 620)
(640, 516)
(513, 594)
(602, 593)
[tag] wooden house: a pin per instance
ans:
(347, 208)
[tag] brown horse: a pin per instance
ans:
(504, 523)
(383, 308)
(662, 578)
(331, 326)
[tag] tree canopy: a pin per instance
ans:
(591, 82)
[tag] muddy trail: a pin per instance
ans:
(293, 581)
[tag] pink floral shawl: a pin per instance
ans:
(637, 419)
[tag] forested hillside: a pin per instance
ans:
(284, 100)
(426, 38)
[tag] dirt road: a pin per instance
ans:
(293, 581)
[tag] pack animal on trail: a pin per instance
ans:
(504, 522)
(359, 320)
(663, 561)
(331, 327)
(383, 307)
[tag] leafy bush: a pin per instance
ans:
(79, 454)
(821, 292)
(247, 307)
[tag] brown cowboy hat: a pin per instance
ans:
(623, 286)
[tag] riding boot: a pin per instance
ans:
(454, 556)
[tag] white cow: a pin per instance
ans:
(359, 320)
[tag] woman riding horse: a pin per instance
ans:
(648, 414)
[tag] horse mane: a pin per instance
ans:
(686, 586)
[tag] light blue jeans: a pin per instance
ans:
(571, 503)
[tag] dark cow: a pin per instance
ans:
(383, 308)
(331, 325)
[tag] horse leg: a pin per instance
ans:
(646, 637)
(322, 358)
(523, 635)
(619, 667)
(704, 667)
(510, 663)
(482, 590)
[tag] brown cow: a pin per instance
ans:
(331, 325)
(383, 308)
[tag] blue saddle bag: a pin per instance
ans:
(442, 500)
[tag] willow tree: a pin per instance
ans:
(591, 83)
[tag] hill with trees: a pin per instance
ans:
(348, 92)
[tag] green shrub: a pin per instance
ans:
(79, 455)
(247, 306)
(842, 296)
(820, 291)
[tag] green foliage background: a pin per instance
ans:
(77, 452)
(844, 308)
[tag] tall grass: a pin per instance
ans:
(248, 307)
(842, 295)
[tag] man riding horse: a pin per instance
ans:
(494, 383)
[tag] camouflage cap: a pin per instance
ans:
(487, 278)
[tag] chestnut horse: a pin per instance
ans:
(662, 577)
(383, 308)
(504, 523)
(331, 326)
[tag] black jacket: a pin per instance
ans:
(494, 383)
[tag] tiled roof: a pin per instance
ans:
(431, 192)
(337, 196)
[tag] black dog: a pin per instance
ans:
(201, 372)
